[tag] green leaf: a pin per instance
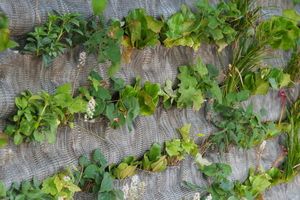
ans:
(101, 93)
(243, 95)
(96, 76)
(173, 148)
(98, 156)
(98, 6)
(96, 38)
(113, 52)
(118, 83)
(2, 189)
(90, 171)
(47, 60)
(83, 161)
(113, 68)
(18, 139)
(107, 183)
(292, 15)
(3, 142)
(104, 196)
(201, 162)
(38, 136)
(49, 187)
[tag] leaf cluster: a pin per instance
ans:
(141, 30)
(125, 169)
(177, 149)
(95, 179)
(196, 82)
(280, 32)
(61, 185)
(49, 40)
(5, 43)
(153, 160)
(40, 115)
(123, 107)
(258, 82)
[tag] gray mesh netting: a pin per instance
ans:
(20, 72)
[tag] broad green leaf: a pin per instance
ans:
(104, 196)
(107, 183)
(113, 52)
(127, 172)
(292, 15)
(159, 165)
(295, 2)
(185, 132)
(96, 76)
(58, 183)
(200, 67)
(98, 6)
(38, 136)
(90, 171)
(118, 83)
(101, 93)
(118, 193)
(98, 156)
(64, 89)
(191, 186)
(18, 139)
(100, 106)
(155, 152)
(83, 161)
(153, 24)
(173, 148)
(242, 95)
(85, 92)
(96, 38)
(50, 135)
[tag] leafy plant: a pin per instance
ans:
(280, 32)
(125, 169)
(141, 30)
(61, 185)
(182, 29)
(258, 82)
(177, 149)
(3, 140)
(221, 188)
(238, 126)
(94, 178)
(293, 67)
(196, 83)
(153, 160)
(295, 2)
(26, 190)
(39, 115)
(122, 108)
(49, 40)
(5, 43)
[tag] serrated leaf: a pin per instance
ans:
(48, 186)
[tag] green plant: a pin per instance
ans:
(259, 82)
(177, 149)
(153, 160)
(49, 40)
(5, 43)
(3, 140)
(196, 83)
(141, 30)
(221, 188)
(61, 185)
(182, 29)
(280, 32)
(125, 169)
(123, 107)
(26, 190)
(40, 115)
(239, 126)
(94, 178)
(293, 67)
(295, 2)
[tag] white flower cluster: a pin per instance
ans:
(90, 110)
(82, 58)
(196, 196)
(67, 178)
(136, 189)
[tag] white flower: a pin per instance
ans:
(82, 58)
(209, 197)
(60, 198)
(90, 110)
(262, 146)
(67, 178)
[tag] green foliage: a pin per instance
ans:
(153, 160)
(255, 184)
(259, 82)
(122, 108)
(293, 67)
(280, 32)
(215, 22)
(102, 39)
(27, 190)
(177, 149)
(295, 2)
(196, 83)
(5, 43)
(238, 126)
(40, 115)
(182, 29)
(141, 30)
(125, 169)
(61, 185)
(49, 40)
(94, 178)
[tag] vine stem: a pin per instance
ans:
(90, 132)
